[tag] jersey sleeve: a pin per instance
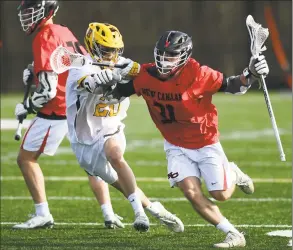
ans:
(207, 82)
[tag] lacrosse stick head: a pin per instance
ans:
(258, 36)
(62, 60)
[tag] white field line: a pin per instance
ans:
(62, 150)
(84, 198)
(281, 233)
(152, 224)
(10, 124)
(55, 161)
(142, 179)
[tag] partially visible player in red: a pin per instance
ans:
(49, 127)
(178, 92)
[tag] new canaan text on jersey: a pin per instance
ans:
(162, 96)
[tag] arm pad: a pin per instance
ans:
(126, 89)
(234, 85)
(120, 92)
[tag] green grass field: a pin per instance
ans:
(247, 138)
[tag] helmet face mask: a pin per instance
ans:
(103, 53)
(104, 42)
(172, 52)
(168, 62)
(30, 16)
(33, 13)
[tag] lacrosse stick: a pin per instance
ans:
(30, 81)
(258, 36)
(62, 60)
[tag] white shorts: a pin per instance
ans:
(92, 158)
(44, 135)
(209, 163)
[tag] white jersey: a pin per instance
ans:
(88, 115)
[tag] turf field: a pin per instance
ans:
(247, 138)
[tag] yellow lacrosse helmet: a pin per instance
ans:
(104, 42)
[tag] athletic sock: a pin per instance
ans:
(136, 203)
(107, 210)
(42, 209)
(225, 226)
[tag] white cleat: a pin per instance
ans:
(36, 222)
(243, 181)
(166, 218)
(113, 222)
(232, 240)
(141, 223)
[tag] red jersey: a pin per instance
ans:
(182, 107)
(46, 41)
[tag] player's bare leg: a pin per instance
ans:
(191, 188)
(114, 155)
(127, 183)
(223, 195)
(102, 194)
(32, 174)
(34, 178)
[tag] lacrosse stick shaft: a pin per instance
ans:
(272, 117)
(120, 66)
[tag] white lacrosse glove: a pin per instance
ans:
(131, 70)
(20, 111)
(28, 74)
(258, 66)
(30, 106)
(106, 77)
(37, 101)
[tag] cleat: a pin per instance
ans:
(232, 240)
(243, 181)
(113, 222)
(141, 222)
(169, 220)
(36, 222)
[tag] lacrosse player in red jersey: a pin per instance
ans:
(178, 92)
(49, 127)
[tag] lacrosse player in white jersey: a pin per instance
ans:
(96, 129)
(49, 127)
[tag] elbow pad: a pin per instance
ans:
(46, 90)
